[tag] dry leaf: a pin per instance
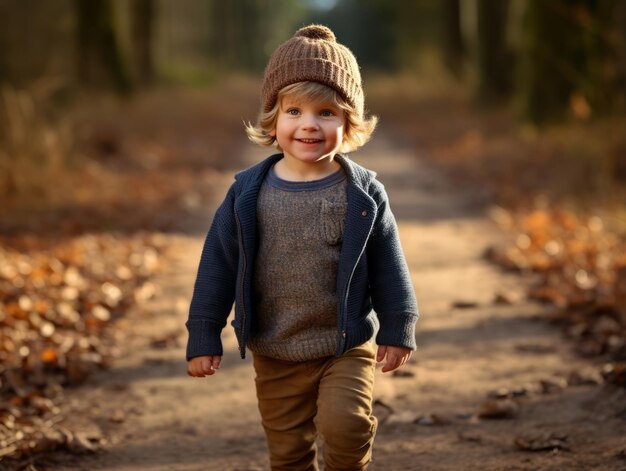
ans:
(500, 409)
(542, 442)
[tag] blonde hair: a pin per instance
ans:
(357, 131)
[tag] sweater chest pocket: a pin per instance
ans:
(332, 221)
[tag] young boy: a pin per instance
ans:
(307, 247)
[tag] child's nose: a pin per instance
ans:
(310, 122)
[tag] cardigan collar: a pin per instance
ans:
(254, 175)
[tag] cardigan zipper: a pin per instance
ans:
(345, 310)
(345, 301)
(242, 346)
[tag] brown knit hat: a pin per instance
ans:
(313, 54)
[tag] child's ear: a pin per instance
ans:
(273, 132)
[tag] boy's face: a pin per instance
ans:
(310, 132)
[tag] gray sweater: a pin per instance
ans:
(295, 273)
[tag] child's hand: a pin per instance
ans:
(204, 365)
(396, 356)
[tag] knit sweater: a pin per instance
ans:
(300, 227)
(374, 289)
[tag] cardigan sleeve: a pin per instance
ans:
(391, 288)
(214, 288)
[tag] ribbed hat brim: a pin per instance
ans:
(315, 70)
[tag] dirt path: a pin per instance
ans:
(158, 418)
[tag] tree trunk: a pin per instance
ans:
(142, 18)
(602, 47)
(99, 57)
(492, 55)
(239, 33)
(221, 32)
(453, 48)
(620, 42)
(546, 81)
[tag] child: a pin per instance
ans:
(307, 247)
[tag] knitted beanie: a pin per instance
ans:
(313, 54)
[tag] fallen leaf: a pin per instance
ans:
(83, 443)
(118, 416)
(500, 393)
(615, 373)
(502, 299)
(552, 385)
(464, 304)
(542, 442)
(403, 374)
(470, 437)
(433, 419)
(579, 378)
(500, 409)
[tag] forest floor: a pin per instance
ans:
(483, 349)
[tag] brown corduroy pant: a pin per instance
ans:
(331, 397)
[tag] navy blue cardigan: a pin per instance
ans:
(374, 289)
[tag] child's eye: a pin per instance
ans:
(293, 111)
(327, 113)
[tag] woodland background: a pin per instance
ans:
(116, 118)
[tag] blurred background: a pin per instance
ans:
(121, 122)
(527, 96)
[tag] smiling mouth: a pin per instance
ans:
(309, 141)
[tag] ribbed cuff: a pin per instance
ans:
(398, 330)
(204, 338)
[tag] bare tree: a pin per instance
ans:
(142, 21)
(453, 47)
(492, 55)
(99, 59)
